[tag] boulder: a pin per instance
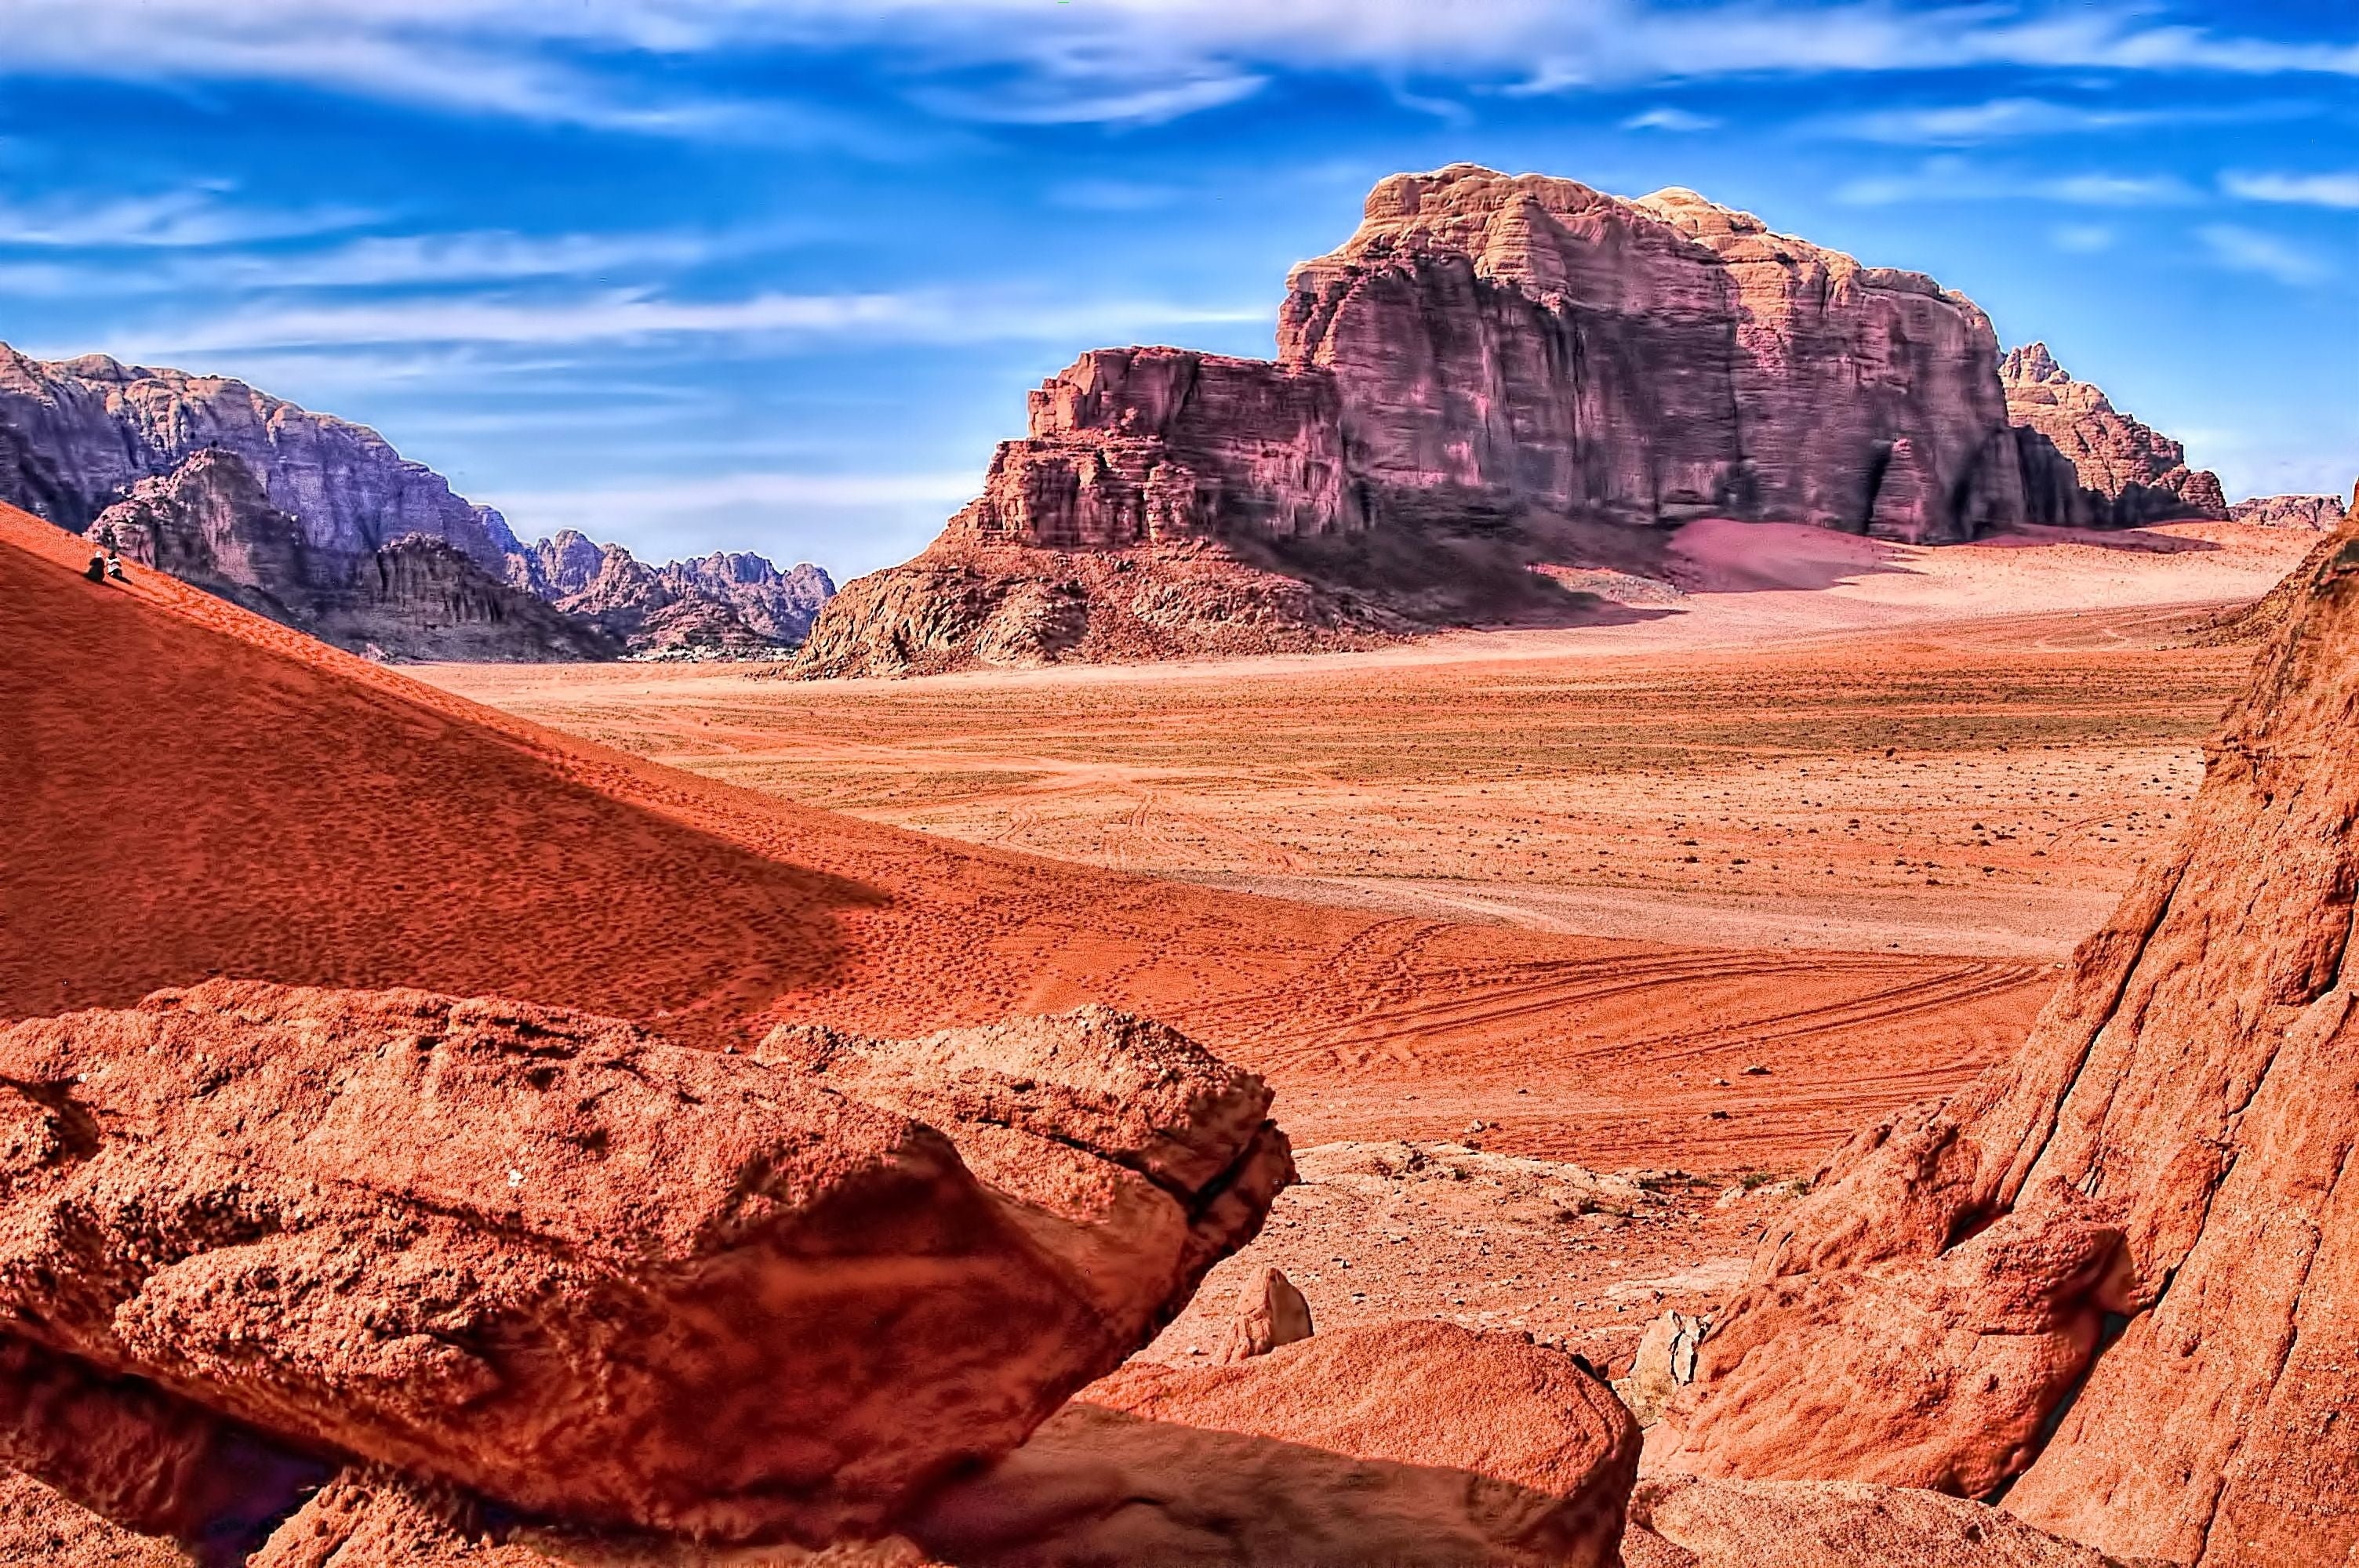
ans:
(550, 1260)
(1270, 1313)
(1407, 1444)
(2189, 1089)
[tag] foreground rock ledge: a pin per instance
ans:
(589, 1275)
(2142, 1233)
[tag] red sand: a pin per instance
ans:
(190, 791)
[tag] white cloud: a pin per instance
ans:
(193, 217)
(1954, 178)
(627, 315)
(2081, 239)
(2305, 189)
(1670, 118)
(2246, 250)
(2120, 190)
(1106, 60)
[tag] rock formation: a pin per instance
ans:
(209, 522)
(1682, 1522)
(1486, 362)
(722, 603)
(251, 1231)
(2133, 1246)
(77, 437)
(2087, 464)
(2316, 511)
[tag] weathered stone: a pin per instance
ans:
(1664, 1364)
(1680, 1522)
(209, 522)
(2320, 513)
(585, 1274)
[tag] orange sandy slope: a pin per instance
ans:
(186, 790)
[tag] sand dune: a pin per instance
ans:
(190, 791)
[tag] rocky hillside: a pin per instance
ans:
(1488, 367)
(77, 437)
(2086, 463)
(209, 522)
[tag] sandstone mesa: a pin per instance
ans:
(1495, 374)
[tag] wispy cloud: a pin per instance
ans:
(1669, 118)
(1951, 178)
(196, 216)
(2304, 189)
(621, 316)
(2248, 250)
(1109, 62)
(2081, 239)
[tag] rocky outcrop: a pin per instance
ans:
(210, 522)
(2186, 1093)
(550, 1260)
(721, 604)
(2315, 512)
(1499, 342)
(2087, 464)
(1486, 362)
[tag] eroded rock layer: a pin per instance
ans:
(2169, 1161)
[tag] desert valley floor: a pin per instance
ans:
(1691, 892)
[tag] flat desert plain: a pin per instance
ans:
(1795, 837)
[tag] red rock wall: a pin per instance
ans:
(1532, 341)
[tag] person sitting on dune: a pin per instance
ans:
(96, 570)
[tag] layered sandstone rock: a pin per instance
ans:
(1488, 359)
(1411, 1444)
(2316, 512)
(1504, 340)
(210, 522)
(2188, 1092)
(585, 1274)
(2087, 464)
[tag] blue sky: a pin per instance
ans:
(776, 273)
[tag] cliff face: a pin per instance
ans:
(210, 522)
(2315, 512)
(2088, 464)
(1501, 342)
(1486, 361)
